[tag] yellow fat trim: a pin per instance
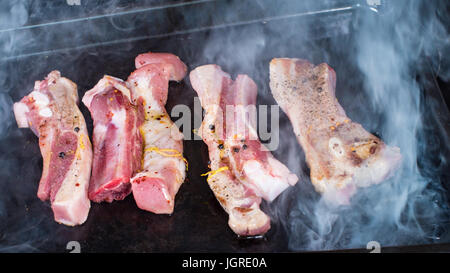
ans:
(81, 146)
(210, 174)
(168, 153)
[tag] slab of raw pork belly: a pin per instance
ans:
(228, 127)
(235, 101)
(51, 112)
(163, 164)
(116, 137)
(342, 156)
(240, 202)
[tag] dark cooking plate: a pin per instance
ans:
(242, 37)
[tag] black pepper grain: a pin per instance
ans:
(244, 146)
(76, 129)
(220, 146)
(62, 154)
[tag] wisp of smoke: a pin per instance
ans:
(387, 48)
(409, 208)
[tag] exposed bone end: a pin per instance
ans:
(336, 147)
(248, 222)
(20, 110)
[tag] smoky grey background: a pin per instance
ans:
(379, 53)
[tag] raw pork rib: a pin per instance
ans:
(240, 202)
(243, 169)
(116, 137)
(163, 167)
(51, 111)
(340, 153)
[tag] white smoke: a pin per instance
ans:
(409, 208)
(378, 52)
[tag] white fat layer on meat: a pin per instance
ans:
(268, 180)
(146, 92)
(45, 112)
(154, 163)
(119, 117)
(72, 195)
(153, 173)
(211, 112)
(20, 110)
(160, 133)
(46, 151)
(267, 185)
(100, 132)
(89, 95)
(40, 99)
(156, 134)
